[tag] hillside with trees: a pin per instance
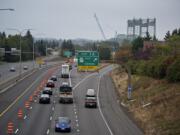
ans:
(155, 79)
(10, 42)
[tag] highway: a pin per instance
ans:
(39, 119)
(5, 74)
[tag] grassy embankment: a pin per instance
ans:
(155, 105)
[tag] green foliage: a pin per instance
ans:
(147, 37)
(67, 46)
(156, 67)
(174, 32)
(104, 53)
(167, 36)
(173, 71)
(137, 44)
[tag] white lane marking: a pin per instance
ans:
(25, 117)
(99, 107)
(21, 95)
(77, 120)
(30, 108)
(47, 132)
(76, 116)
(70, 83)
(54, 102)
(50, 118)
(78, 130)
(84, 80)
(52, 108)
(16, 131)
(4, 90)
(77, 125)
(75, 112)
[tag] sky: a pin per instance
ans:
(71, 19)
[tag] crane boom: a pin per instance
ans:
(102, 32)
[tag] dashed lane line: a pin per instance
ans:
(16, 131)
(20, 96)
(99, 107)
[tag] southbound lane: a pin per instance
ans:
(14, 99)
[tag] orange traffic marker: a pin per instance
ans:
(27, 104)
(20, 114)
(10, 128)
(35, 94)
(31, 98)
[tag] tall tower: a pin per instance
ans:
(139, 27)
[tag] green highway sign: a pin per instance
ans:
(88, 58)
(67, 53)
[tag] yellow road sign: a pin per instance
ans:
(87, 68)
(40, 61)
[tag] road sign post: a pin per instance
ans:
(129, 91)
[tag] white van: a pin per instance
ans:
(90, 99)
(90, 93)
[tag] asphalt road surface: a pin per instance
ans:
(107, 119)
(6, 74)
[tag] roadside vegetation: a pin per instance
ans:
(10, 46)
(155, 69)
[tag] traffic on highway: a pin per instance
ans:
(89, 67)
(51, 102)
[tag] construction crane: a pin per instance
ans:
(101, 30)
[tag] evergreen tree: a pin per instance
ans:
(175, 32)
(148, 37)
(167, 36)
(179, 31)
(137, 45)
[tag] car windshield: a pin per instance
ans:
(63, 119)
(65, 89)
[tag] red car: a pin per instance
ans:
(50, 84)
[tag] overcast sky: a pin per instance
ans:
(74, 18)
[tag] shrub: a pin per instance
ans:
(173, 71)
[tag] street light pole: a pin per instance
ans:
(33, 53)
(20, 55)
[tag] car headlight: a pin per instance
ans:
(57, 125)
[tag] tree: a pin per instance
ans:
(104, 53)
(175, 32)
(68, 46)
(154, 38)
(167, 36)
(137, 45)
(179, 32)
(147, 37)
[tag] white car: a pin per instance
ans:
(12, 69)
(25, 67)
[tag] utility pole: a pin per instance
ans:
(20, 48)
